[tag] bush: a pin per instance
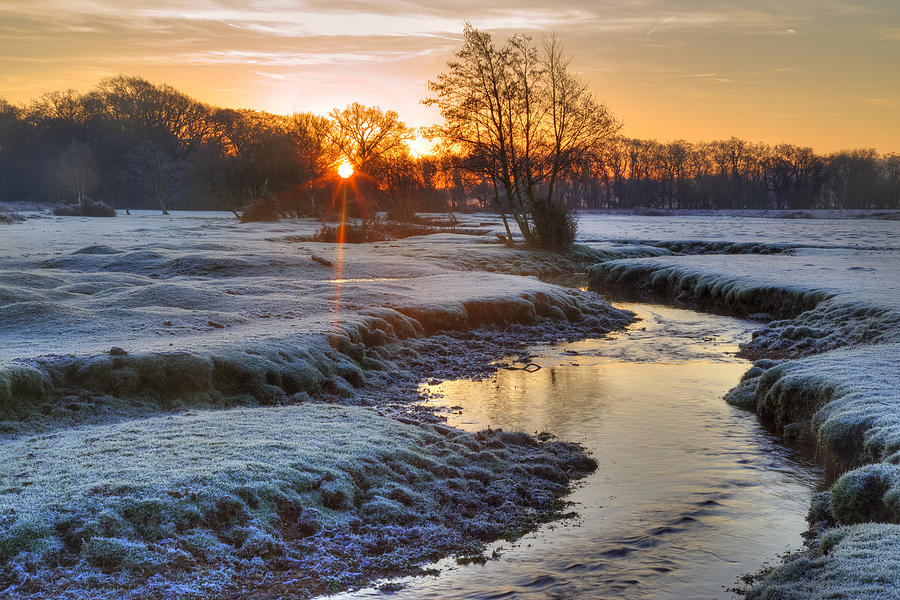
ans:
(10, 216)
(371, 230)
(353, 234)
(554, 225)
(261, 209)
(298, 201)
(88, 208)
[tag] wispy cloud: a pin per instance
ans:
(295, 59)
(708, 63)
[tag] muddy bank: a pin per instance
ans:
(828, 373)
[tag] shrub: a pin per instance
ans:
(261, 209)
(7, 216)
(554, 225)
(353, 234)
(88, 208)
(372, 230)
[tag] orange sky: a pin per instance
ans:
(822, 73)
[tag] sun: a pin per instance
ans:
(345, 170)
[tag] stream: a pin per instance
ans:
(689, 494)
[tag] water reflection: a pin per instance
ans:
(689, 494)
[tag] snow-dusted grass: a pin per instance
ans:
(195, 502)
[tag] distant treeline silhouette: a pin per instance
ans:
(135, 144)
(734, 174)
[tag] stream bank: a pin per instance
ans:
(689, 494)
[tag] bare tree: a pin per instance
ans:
(78, 170)
(363, 134)
(892, 170)
(522, 120)
(402, 185)
(155, 170)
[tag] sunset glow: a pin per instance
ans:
(805, 72)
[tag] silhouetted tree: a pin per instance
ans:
(522, 120)
(402, 186)
(363, 134)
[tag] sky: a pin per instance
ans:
(822, 73)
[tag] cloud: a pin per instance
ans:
(384, 18)
(699, 56)
(295, 59)
(276, 76)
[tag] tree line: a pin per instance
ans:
(733, 174)
(533, 141)
(135, 144)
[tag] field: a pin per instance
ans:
(195, 407)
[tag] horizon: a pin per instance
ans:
(669, 71)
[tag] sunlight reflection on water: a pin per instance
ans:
(689, 493)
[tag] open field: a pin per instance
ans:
(124, 470)
(161, 392)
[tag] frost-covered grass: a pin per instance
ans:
(158, 284)
(269, 368)
(847, 398)
(824, 298)
(211, 313)
(204, 311)
(803, 214)
(720, 226)
(198, 502)
(858, 562)
(834, 333)
(111, 489)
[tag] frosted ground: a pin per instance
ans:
(108, 321)
(829, 372)
(212, 313)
